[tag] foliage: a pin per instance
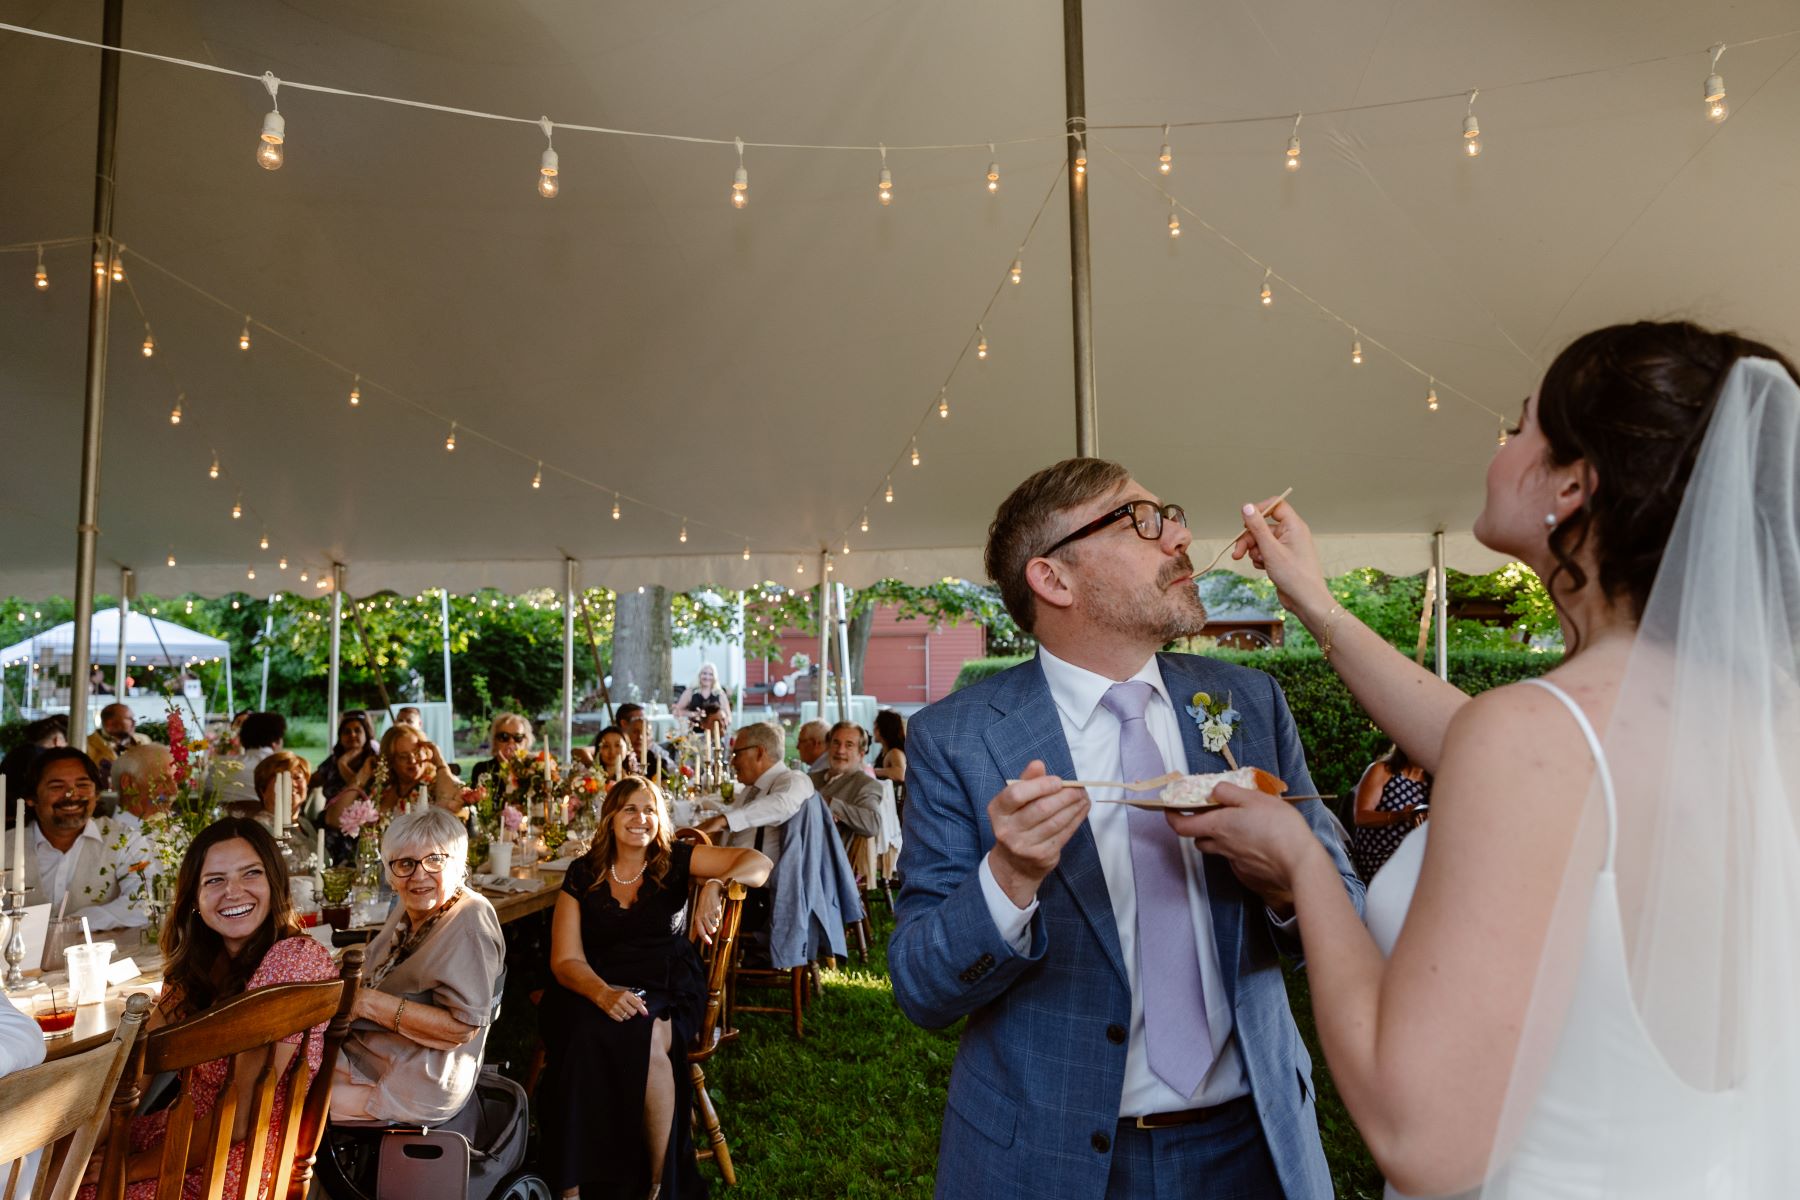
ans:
(977, 669)
(949, 601)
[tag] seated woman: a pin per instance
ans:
(890, 731)
(231, 929)
(509, 736)
(421, 1018)
(1390, 803)
(352, 760)
(267, 781)
(706, 697)
(609, 752)
(629, 998)
(412, 762)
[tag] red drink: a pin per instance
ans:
(60, 1021)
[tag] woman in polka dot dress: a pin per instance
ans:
(1390, 803)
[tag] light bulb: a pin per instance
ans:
(356, 391)
(1472, 147)
(118, 270)
(740, 188)
(993, 177)
(915, 452)
(684, 531)
(981, 344)
(42, 278)
(1081, 160)
(450, 441)
(1355, 350)
(1165, 161)
(884, 187)
(846, 545)
(1431, 401)
(1174, 221)
(746, 551)
(282, 564)
(99, 267)
(799, 567)
(244, 335)
(264, 543)
(1268, 295)
(175, 413)
(865, 520)
(1502, 437)
(171, 559)
(1471, 134)
(943, 404)
(889, 497)
(830, 566)
(615, 506)
(268, 150)
(249, 574)
(1018, 269)
(212, 472)
(1717, 109)
(237, 510)
(537, 477)
(547, 183)
(1293, 153)
(149, 343)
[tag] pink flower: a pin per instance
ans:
(512, 818)
(358, 815)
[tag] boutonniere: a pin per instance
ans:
(1217, 721)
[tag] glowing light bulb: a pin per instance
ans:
(865, 520)
(993, 177)
(915, 452)
(171, 558)
(1165, 161)
(1018, 269)
(42, 278)
(1717, 109)
(450, 441)
(981, 343)
(237, 510)
(889, 496)
(1268, 294)
(250, 574)
(175, 413)
(244, 335)
(118, 270)
(943, 404)
(1174, 221)
(547, 182)
(264, 543)
(799, 567)
(269, 154)
(212, 472)
(684, 531)
(537, 477)
(99, 267)
(884, 187)
(615, 514)
(149, 343)
(282, 564)
(746, 551)
(303, 577)
(1081, 158)
(1293, 153)
(1431, 400)
(740, 189)
(1471, 138)
(1355, 349)
(356, 391)
(1502, 437)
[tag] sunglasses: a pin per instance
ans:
(506, 736)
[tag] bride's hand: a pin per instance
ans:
(1263, 837)
(1282, 546)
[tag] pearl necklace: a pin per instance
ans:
(614, 871)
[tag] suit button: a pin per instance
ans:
(1115, 1034)
(987, 960)
(1101, 1142)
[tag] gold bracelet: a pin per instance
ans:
(1330, 620)
(398, 1009)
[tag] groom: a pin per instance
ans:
(1128, 1034)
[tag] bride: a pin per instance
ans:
(1578, 980)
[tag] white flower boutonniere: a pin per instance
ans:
(1217, 720)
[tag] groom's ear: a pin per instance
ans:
(1046, 579)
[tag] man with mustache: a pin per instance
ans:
(1128, 1028)
(79, 864)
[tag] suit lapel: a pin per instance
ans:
(1031, 729)
(1184, 675)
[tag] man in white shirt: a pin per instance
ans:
(1129, 1033)
(77, 863)
(769, 793)
(809, 746)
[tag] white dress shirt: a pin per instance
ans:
(780, 793)
(103, 853)
(1093, 736)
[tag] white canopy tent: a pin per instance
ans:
(757, 376)
(147, 640)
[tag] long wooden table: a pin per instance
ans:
(94, 1023)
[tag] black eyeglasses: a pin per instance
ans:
(737, 750)
(507, 736)
(1146, 518)
(403, 868)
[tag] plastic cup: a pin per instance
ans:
(301, 889)
(500, 858)
(87, 971)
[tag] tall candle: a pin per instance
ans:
(19, 846)
(2, 840)
(283, 782)
(321, 851)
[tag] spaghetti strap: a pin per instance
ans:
(1606, 782)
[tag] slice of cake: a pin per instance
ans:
(1195, 791)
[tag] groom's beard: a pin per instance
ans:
(1155, 612)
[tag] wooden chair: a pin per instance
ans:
(61, 1107)
(801, 982)
(244, 1029)
(864, 862)
(709, 1139)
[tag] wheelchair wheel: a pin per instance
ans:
(523, 1185)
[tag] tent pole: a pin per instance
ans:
(824, 635)
(87, 523)
(230, 698)
(335, 671)
(568, 705)
(124, 615)
(444, 613)
(1087, 421)
(268, 634)
(1443, 605)
(843, 653)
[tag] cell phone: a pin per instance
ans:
(638, 992)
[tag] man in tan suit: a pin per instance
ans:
(118, 729)
(79, 864)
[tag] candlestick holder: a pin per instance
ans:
(14, 911)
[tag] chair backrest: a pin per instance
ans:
(718, 959)
(61, 1107)
(692, 836)
(244, 1030)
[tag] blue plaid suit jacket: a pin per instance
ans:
(1036, 1077)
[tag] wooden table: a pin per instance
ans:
(511, 906)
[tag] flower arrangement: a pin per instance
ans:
(1217, 720)
(358, 815)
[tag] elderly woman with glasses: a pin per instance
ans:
(421, 1018)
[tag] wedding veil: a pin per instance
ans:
(1686, 1083)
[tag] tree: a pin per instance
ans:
(643, 636)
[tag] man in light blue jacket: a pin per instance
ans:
(1128, 1032)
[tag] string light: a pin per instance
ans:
(274, 131)
(149, 342)
(1165, 161)
(1268, 294)
(889, 497)
(282, 564)
(237, 508)
(684, 531)
(1018, 269)
(846, 545)
(615, 506)
(244, 334)
(915, 452)
(303, 576)
(746, 551)
(993, 172)
(1355, 348)
(548, 184)
(171, 558)
(1081, 150)
(99, 266)
(1293, 150)
(118, 269)
(799, 567)
(1502, 438)
(865, 519)
(249, 574)
(1174, 220)
(212, 472)
(943, 404)
(1717, 109)
(740, 182)
(175, 413)
(1431, 400)
(263, 544)
(356, 391)
(884, 184)
(42, 278)
(981, 342)
(1472, 129)
(537, 477)
(450, 442)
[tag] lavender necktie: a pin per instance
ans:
(1177, 1036)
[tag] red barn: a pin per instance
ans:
(910, 662)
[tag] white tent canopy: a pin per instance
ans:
(758, 375)
(148, 639)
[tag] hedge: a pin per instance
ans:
(1340, 739)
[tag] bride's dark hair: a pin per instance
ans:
(1634, 401)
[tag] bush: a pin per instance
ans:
(977, 669)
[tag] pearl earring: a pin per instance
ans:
(1549, 520)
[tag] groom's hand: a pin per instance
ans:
(1033, 820)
